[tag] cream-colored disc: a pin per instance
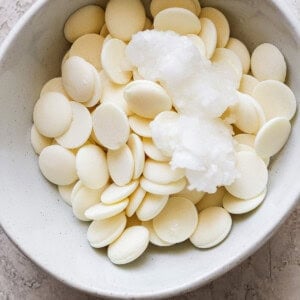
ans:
(124, 18)
(91, 166)
(83, 200)
(89, 47)
(114, 193)
(276, 99)
(52, 114)
(135, 199)
(57, 164)
(177, 19)
(153, 152)
(241, 51)
(54, 85)
(103, 232)
(38, 141)
(248, 84)
(137, 149)
(163, 189)
(161, 172)
(120, 165)
(209, 200)
(147, 98)
(240, 206)
(209, 36)
(112, 59)
(213, 226)
(78, 79)
(140, 126)
(267, 62)
(221, 23)
(151, 206)
(103, 211)
(177, 221)
(154, 238)
(87, 19)
(129, 246)
(80, 128)
(110, 126)
(272, 137)
(253, 176)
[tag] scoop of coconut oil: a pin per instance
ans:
(197, 139)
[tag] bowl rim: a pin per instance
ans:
(294, 23)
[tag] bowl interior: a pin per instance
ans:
(43, 226)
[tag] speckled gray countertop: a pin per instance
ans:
(272, 273)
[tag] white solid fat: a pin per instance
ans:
(196, 138)
(206, 151)
(196, 86)
(203, 147)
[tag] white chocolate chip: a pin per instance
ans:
(113, 93)
(253, 176)
(208, 34)
(161, 172)
(241, 51)
(154, 238)
(242, 206)
(221, 23)
(151, 206)
(103, 211)
(120, 165)
(157, 6)
(54, 85)
(246, 114)
(248, 84)
(163, 189)
(65, 192)
(83, 199)
(88, 19)
(214, 199)
(114, 193)
(129, 246)
(276, 99)
(52, 114)
(177, 19)
(91, 166)
(174, 227)
(153, 152)
(124, 18)
(135, 199)
(80, 128)
(103, 232)
(137, 149)
(213, 226)
(111, 126)
(57, 164)
(140, 126)
(146, 98)
(98, 90)
(78, 79)
(272, 137)
(267, 62)
(88, 47)
(112, 59)
(38, 141)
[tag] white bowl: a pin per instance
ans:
(42, 225)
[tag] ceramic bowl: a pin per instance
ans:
(42, 225)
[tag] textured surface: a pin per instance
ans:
(272, 273)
